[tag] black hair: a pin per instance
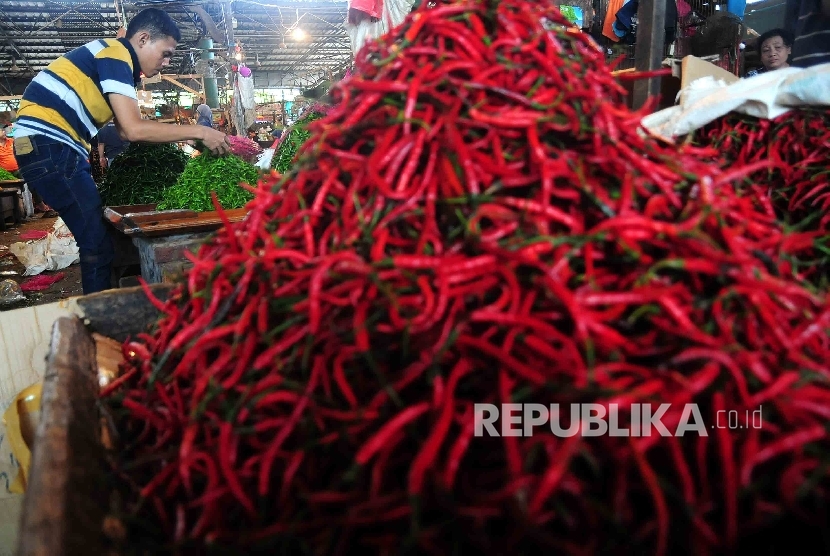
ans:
(156, 22)
(785, 35)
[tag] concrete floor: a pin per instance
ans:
(69, 286)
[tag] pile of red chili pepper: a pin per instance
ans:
(797, 179)
(479, 220)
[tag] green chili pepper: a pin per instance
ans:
(207, 173)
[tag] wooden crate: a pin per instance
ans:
(66, 501)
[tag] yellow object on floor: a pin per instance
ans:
(21, 421)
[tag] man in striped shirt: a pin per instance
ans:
(809, 21)
(66, 104)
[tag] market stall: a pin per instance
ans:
(488, 298)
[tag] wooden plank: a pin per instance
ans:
(121, 313)
(64, 501)
(648, 52)
(108, 357)
(129, 219)
(159, 216)
(204, 222)
(180, 84)
(114, 215)
(150, 223)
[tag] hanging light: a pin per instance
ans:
(298, 34)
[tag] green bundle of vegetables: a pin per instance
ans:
(5, 175)
(141, 173)
(296, 136)
(207, 173)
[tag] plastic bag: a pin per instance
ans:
(246, 92)
(56, 252)
(766, 96)
(28, 202)
(265, 159)
(10, 293)
(21, 420)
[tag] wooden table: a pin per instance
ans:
(10, 202)
(156, 241)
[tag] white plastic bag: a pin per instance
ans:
(28, 202)
(56, 251)
(264, 160)
(764, 96)
(246, 92)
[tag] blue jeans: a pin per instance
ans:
(62, 177)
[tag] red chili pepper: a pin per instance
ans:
(556, 471)
(404, 418)
(270, 454)
(725, 442)
(429, 452)
(789, 443)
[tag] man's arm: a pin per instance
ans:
(101, 158)
(132, 128)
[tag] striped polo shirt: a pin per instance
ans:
(811, 29)
(67, 100)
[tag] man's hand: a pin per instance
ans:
(216, 141)
(136, 130)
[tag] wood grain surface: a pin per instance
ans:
(65, 501)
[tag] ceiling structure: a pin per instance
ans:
(35, 32)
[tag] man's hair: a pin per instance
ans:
(156, 22)
(785, 35)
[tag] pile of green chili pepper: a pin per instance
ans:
(208, 173)
(6, 175)
(479, 221)
(291, 141)
(141, 173)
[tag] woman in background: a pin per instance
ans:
(774, 47)
(204, 116)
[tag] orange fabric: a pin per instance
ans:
(607, 29)
(7, 160)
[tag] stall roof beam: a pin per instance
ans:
(178, 83)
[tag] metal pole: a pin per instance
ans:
(648, 51)
(227, 16)
(211, 89)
